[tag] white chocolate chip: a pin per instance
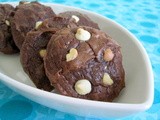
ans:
(7, 22)
(71, 55)
(107, 79)
(42, 53)
(76, 18)
(83, 87)
(108, 55)
(82, 34)
(39, 23)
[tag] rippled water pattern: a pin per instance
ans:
(141, 17)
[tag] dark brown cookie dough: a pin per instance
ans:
(34, 49)
(81, 19)
(25, 17)
(7, 45)
(32, 58)
(56, 23)
(89, 68)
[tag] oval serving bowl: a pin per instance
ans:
(135, 97)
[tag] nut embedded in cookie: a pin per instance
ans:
(108, 55)
(71, 55)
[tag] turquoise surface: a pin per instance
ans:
(141, 17)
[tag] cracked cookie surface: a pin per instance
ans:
(24, 19)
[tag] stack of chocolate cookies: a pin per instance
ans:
(66, 51)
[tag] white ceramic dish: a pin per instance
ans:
(136, 96)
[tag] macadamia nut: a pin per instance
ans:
(108, 55)
(71, 55)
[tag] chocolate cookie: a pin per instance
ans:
(85, 63)
(7, 45)
(80, 19)
(25, 17)
(34, 49)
